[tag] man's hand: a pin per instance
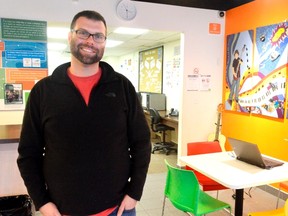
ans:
(127, 203)
(49, 209)
(235, 75)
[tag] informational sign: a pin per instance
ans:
(214, 28)
(24, 54)
(23, 60)
(29, 30)
(198, 82)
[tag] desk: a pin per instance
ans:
(171, 121)
(234, 174)
(11, 182)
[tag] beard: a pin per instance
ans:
(86, 59)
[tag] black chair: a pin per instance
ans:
(156, 126)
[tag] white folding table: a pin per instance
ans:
(224, 168)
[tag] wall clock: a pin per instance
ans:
(126, 10)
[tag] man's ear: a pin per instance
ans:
(69, 36)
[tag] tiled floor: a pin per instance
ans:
(255, 199)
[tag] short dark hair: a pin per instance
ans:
(236, 52)
(89, 14)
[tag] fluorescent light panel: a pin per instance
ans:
(57, 32)
(130, 31)
(112, 43)
(56, 46)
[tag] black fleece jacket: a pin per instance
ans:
(83, 158)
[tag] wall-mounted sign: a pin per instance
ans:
(23, 60)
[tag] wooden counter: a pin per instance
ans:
(171, 121)
(10, 133)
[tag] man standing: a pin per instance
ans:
(85, 144)
(236, 77)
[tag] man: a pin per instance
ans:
(85, 144)
(236, 77)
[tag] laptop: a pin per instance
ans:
(250, 153)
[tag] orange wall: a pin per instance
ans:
(270, 134)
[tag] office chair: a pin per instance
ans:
(281, 185)
(276, 212)
(195, 148)
(156, 126)
(182, 189)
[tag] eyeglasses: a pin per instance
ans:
(82, 34)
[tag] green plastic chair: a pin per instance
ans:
(183, 190)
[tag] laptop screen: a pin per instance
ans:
(250, 153)
(247, 152)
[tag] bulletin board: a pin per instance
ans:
(23, 60)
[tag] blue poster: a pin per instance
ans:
(24, 54)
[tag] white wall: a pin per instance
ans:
(200, 49)
(128, 66)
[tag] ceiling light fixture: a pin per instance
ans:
(130, 31)
(57, 32)
(112, 43)
(56, 46)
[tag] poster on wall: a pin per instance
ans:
(13, 93)
(262, 90)
(270, 59)
(238, 69)
(151, 70)
(23, 60)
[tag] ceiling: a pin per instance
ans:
(156, 38)
(135, 43)
(131, 43)
(222, 5)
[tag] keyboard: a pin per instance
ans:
(271, 162)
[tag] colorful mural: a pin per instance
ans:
(262, 85)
